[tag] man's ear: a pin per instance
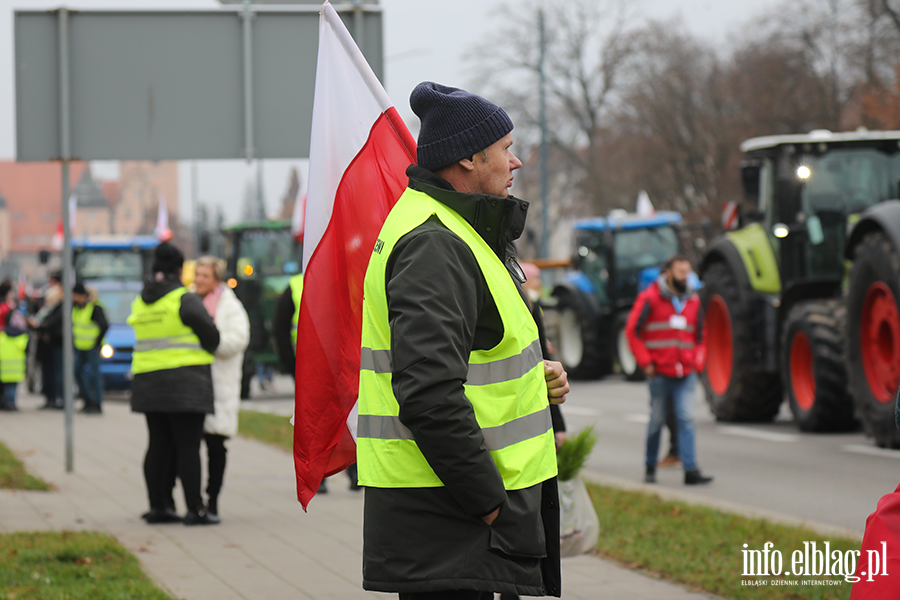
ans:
(468, 163)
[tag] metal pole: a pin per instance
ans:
(259, 189)
(195, 222)
(68, 381)
(358, 21)
(545, 208)
(247, 15)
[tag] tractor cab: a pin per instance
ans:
(810, 190)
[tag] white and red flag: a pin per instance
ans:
(359, 151)
(162, 231)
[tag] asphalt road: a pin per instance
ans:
(833, 479)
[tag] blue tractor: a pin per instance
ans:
(615, 258)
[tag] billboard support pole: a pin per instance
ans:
(247, 16)
(68, 371)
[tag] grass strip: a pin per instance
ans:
(71, 566)
(703, 548)
(14, 476)
(265, 427)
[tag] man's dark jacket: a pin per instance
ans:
(440, 309)
(182, 389)
(98, 316)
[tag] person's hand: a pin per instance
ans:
(557, 381)
(491, 517)
(551, 349)
(650, 371)
(561, 438)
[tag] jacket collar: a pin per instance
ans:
(499, 221)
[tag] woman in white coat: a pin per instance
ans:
(234, 331)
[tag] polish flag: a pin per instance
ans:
(644, 207)
(359, 151)
(298, 219)
(59, 235)
(162, 231)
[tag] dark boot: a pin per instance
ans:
(161, 515)
(695, 477)
(650, 475)
(200, 517)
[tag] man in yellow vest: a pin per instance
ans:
(89, 325)
(454, 441)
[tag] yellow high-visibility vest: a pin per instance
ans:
(12, 357)
(84, 330)
(163, 340)
(505, 384)
(296, 294)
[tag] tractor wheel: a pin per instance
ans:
(873, 336)
(624, 355)
(813, 369)
(735, 391)
(579, 340)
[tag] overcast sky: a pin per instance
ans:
(424, 39)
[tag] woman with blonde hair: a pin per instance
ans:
(234, 330)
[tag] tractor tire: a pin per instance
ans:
(579, 346)
(624, 356)
(813, 370)
(734, 391)
(873, 336)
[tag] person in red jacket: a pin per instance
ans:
(666, 336)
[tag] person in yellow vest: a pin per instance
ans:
(284, 329)
(89, 325)
(454, 440)
(13, 344)
(172, 385)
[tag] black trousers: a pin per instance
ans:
(451, 595)
(174, 439)
(216, 453)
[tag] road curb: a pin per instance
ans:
(723, 505)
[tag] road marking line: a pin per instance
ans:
(577, 410)
(756, 434)
(637, 418)
(870, 450)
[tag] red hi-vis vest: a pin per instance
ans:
(665, 337)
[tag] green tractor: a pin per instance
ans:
(262, 256)
(615, 258)
(802, 299)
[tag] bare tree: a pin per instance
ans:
(587, 45)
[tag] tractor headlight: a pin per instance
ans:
(106, 351)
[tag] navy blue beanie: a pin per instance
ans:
(455, 124)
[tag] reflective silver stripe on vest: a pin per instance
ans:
(495, 438)
(497, 371)
(507, 369)
(165, 344)
(378, 361)
(382, 428)
(669, 344)
(663, 325)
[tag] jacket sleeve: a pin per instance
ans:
(639, 314)
(282, 324)
(99, 317)
(194, 315)
(435, 293)
(233, 325)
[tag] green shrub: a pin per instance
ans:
(574, 452)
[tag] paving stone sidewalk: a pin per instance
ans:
(265, 548)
